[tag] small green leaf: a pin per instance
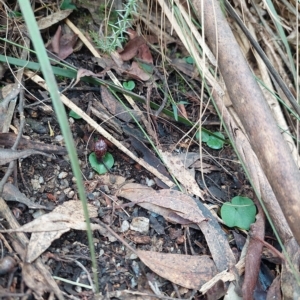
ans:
(14, 14)
(129, 85)
(146, 67)
(204, 136)
(100, 167)
(189, 60)
(175, 112)
(183, 102)
(240, 212)
(74, 115)
(67, 4)
(215, 143)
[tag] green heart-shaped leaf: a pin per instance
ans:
(204, 136)
(100, 167)
(74, 115)
(215, 143)
(129, 85)
(67, 4)
(240, 212)
(189, 60)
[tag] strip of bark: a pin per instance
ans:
(256, 117)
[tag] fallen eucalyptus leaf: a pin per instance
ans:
(185, 270)
(50, 227)
(8, 155)
(11, 193)
(174, 206)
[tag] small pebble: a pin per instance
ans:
(64, 184)
(38, 213)
(78, 289)
(105, 189)
(59, 138)
(46, 109)
(35, 184)
(61, 198)
(71, 194)
(96, 203)
(90, 196)
(150, 182)
(140, 224)
(7, 265)
(124, 226)
(41, 180)
(130, 255)
(62, 175)
(136, 268)
(67, 190)
(133, 283)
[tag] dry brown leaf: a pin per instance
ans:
(54, 18)
(136, 72)
(62, 44)
(144, 54)
(41, 241)
(137, 47)
(185, 68)
(192, 160)
(176, 167)
(49, 227)
(116, 108)
(8, 155)
(83, 72)
(106, 63)
(181, 110)
(7, 139)
(216, 240)
(174, 206)
(132, 47)
(33, 279)
(11, 193)
(204, 167)
(185, 270)
(118, 61)
(73, 209)
(253, 256)
(113, 181)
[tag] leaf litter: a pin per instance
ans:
(177, 207)
(11, 193)
(184, 176)
(173, 211)
(8, 155)
(197, 270)
(51, 226)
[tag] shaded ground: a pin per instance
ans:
(50, 182)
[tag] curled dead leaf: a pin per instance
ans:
(197, 270)
(174, 206)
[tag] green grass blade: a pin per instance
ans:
(61, 116)
(280, 30)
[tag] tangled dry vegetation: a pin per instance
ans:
(182, 108)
